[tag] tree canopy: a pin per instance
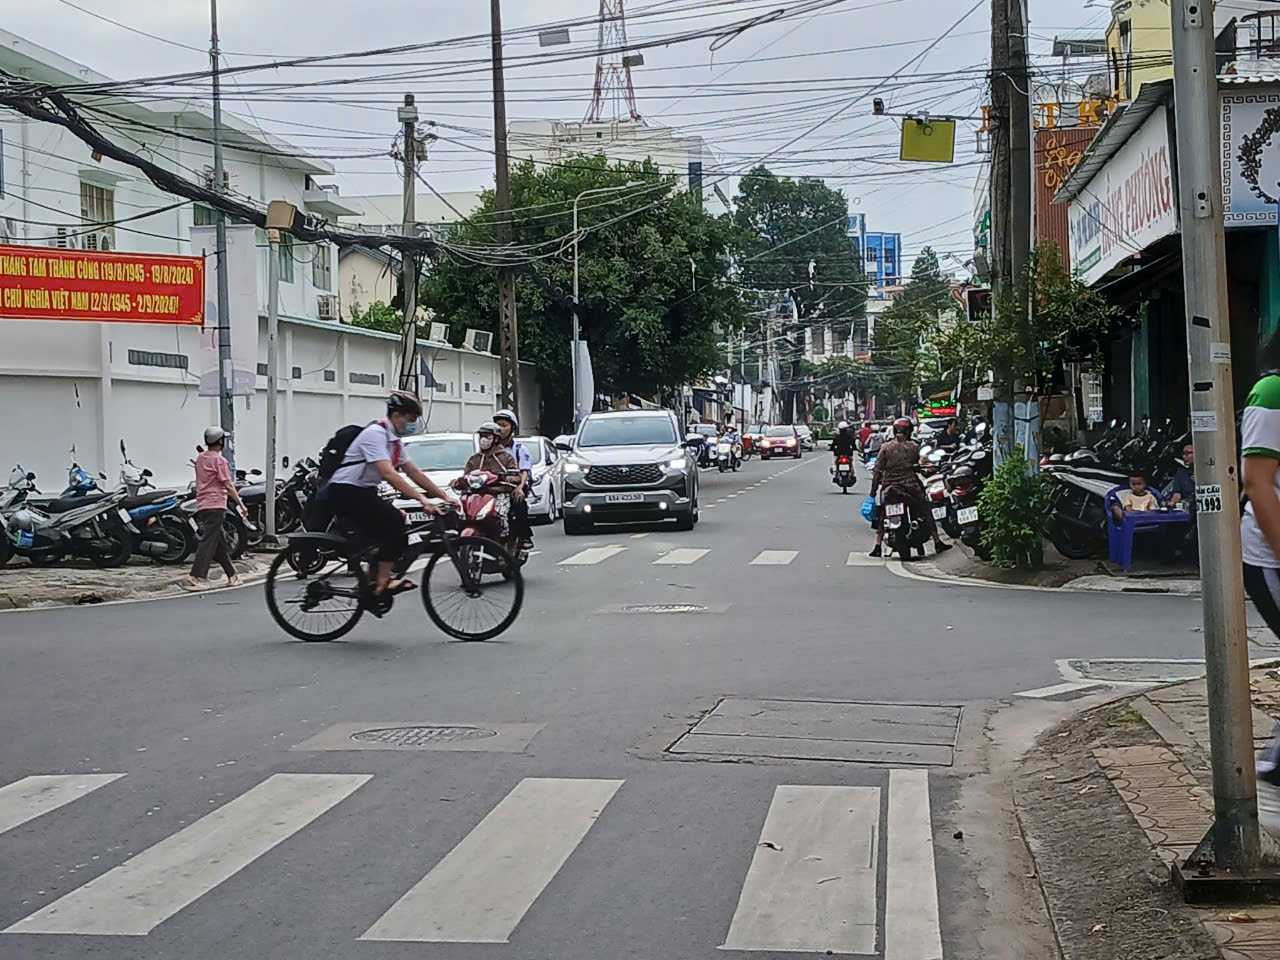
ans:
(906, 335)
(651, 268)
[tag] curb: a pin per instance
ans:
(1095, 584)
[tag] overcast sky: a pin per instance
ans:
(748, 97)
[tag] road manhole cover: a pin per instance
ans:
(663, 608)
(832, 730)
(421, 736)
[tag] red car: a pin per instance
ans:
(780, 441)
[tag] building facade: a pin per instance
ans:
(881, 254)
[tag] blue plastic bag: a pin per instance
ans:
(868, 508)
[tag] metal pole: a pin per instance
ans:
(573, 345)
(273, 317)
(1226, 648)
(508, 336)
(408, 115)
(226, 375)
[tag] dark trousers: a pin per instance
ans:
(370, 516)
(212, 545)
(520, 517)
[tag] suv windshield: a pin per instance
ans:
(781, 432)
(706, 429)
(624, 431)
(440, 454)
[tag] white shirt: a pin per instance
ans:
(375, 442)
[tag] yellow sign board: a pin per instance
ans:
(928, 141)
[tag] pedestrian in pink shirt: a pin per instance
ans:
(213, 486)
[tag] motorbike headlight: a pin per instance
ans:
(571, 467)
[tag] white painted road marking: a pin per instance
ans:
(774, 558)
(911, 930)
(484, 886)
(858, 559)
(682, 556)
(33, 797)
(133, 898)
(592, 555)
(1058, 688)
(812, 882)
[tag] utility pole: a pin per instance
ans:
(226, 409)
(273, 323)
(508, 338)
(408, 116)
(1011, 179)
(1233, 841)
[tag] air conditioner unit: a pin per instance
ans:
(327, 306)
(478, 340)
(97, 241)
(64, 239)
(440, 332)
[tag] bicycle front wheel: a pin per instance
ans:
(480, 605)
(314, 599)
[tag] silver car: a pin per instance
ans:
(547, 494)
(441, 456)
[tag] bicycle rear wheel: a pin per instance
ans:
(486, 608)
(314, 602)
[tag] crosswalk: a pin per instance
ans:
(688, 556)
(835, 869)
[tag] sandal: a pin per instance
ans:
(234, 581)
(398, 586)
(192, 585)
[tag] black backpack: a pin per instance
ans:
(333, 452)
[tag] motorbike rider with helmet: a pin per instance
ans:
(845, 444)
(495, 458)
(896, 470)
(508, 425)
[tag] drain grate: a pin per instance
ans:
(663, 608)
(421, 736)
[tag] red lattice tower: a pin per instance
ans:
(613, 73)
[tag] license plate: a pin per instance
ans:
(124, 516)
(414, 539)
(939, 512)
(967, 515)
(894, 509)
(416, 516)
(623, 497)
(844, 468)
(194, 526)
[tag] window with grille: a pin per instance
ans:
(202, 216)
(98, 207)
(322, 267)
(286, 257)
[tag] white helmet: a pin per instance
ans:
(843, 425)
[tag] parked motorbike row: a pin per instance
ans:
(1081, 478)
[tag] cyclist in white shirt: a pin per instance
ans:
(375, 455)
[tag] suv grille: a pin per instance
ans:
(619, 476)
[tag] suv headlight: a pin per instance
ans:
(674, 465)
(572, 467)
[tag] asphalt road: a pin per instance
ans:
(177, 816)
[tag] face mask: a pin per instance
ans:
(486, 443)
(410, 429)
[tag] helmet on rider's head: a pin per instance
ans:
(902, 428)
(402, 401)
(509, 416)
(489, 427)
(842, 425)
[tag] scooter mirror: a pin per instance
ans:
(285, 463)
(255, 472)
(147, 472)
(31, 476)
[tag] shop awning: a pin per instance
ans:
(1129, 288)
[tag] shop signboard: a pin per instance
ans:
(1128, 205)
(1250, 157)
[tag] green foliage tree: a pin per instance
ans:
(904, 349)
(648, 327)
(378, 316)
(786, 227)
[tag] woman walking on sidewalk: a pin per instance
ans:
(213, 486)
(1260, 538)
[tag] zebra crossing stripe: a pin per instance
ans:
(911, 929)
(811, 885)
(682, 556)
(141, 893)
(484, 886)
(33, 797)
(592, 555)
(774, 558)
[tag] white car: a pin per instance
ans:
(441, 456)
(548, 480)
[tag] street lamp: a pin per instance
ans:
(573, 346)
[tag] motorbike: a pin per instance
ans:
(728, 453)
(904, 530)
(97, 528)
(291, 498)
(480, 491)
(842, 473)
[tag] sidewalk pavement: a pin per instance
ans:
(23, 585)
(1109, 799)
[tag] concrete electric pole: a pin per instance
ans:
(408, 116)
(1232, 845)
(508, 338)
(226, 376)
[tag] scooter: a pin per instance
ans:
(99, 529)
(905, 531)
(726, 457)
(480, 491)
(842, 473)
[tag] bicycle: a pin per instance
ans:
(472, 588)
